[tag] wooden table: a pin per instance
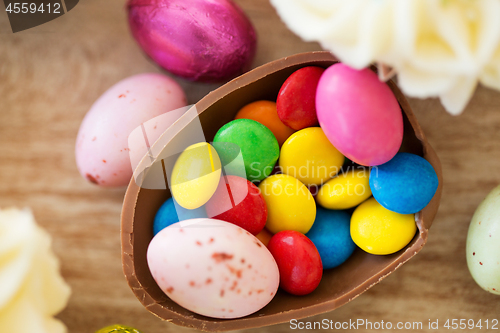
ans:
(50, 76)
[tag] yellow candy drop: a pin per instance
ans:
(118, 329)
(290, 205)
(345, 191)
(377, 230)
(310, 157)
(195, 175)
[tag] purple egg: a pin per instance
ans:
(201, 40)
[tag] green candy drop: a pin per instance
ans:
(258, 145)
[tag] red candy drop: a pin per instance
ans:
(296, 103)
(238, 201)
(298, 260)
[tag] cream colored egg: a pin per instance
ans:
(483, 243)
(103, 150)
(213, 268)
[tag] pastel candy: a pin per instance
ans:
(171, 212)
(483, 243)
(405, 184)
(257, 144)
(331, 235)
(213, 268)
(359, 114)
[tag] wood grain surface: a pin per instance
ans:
(50, 76)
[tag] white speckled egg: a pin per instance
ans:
(483, 243)
(102, 147)
(213, 268)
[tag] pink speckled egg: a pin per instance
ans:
(359, 114)
(201, 40)
(213, 268)
(102, 146)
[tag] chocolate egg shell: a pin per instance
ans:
(338, 286)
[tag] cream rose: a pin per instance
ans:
(32, 290)
(437, 47)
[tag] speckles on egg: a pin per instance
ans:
(221, 256)
(91, 178)
(225, 272)
(105, 130)
(483, 243)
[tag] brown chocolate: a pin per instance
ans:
(338, 286)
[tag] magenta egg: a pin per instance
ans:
(359, 114)
(201, 40)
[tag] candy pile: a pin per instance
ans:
(273, 201)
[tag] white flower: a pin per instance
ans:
(31, 289)
(438, 47)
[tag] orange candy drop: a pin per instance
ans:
(265, 113)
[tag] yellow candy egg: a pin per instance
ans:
(195, 175)
(290, 205)
(346, 190)
(309, 156)
(377, 230)
(118, 329)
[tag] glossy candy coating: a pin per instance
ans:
(298, 261)
(221, 270)
(331, 235)
(290, 205)
(238, 201)
(345, 191)
(171, 212)
(309, 156)
(359, 114)
(257, 144)
(405, 184)
(118, 329)
(377, 230)
(205, 40)
(103, 150)
(265, 113)
(296, 102)
(195, 175)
